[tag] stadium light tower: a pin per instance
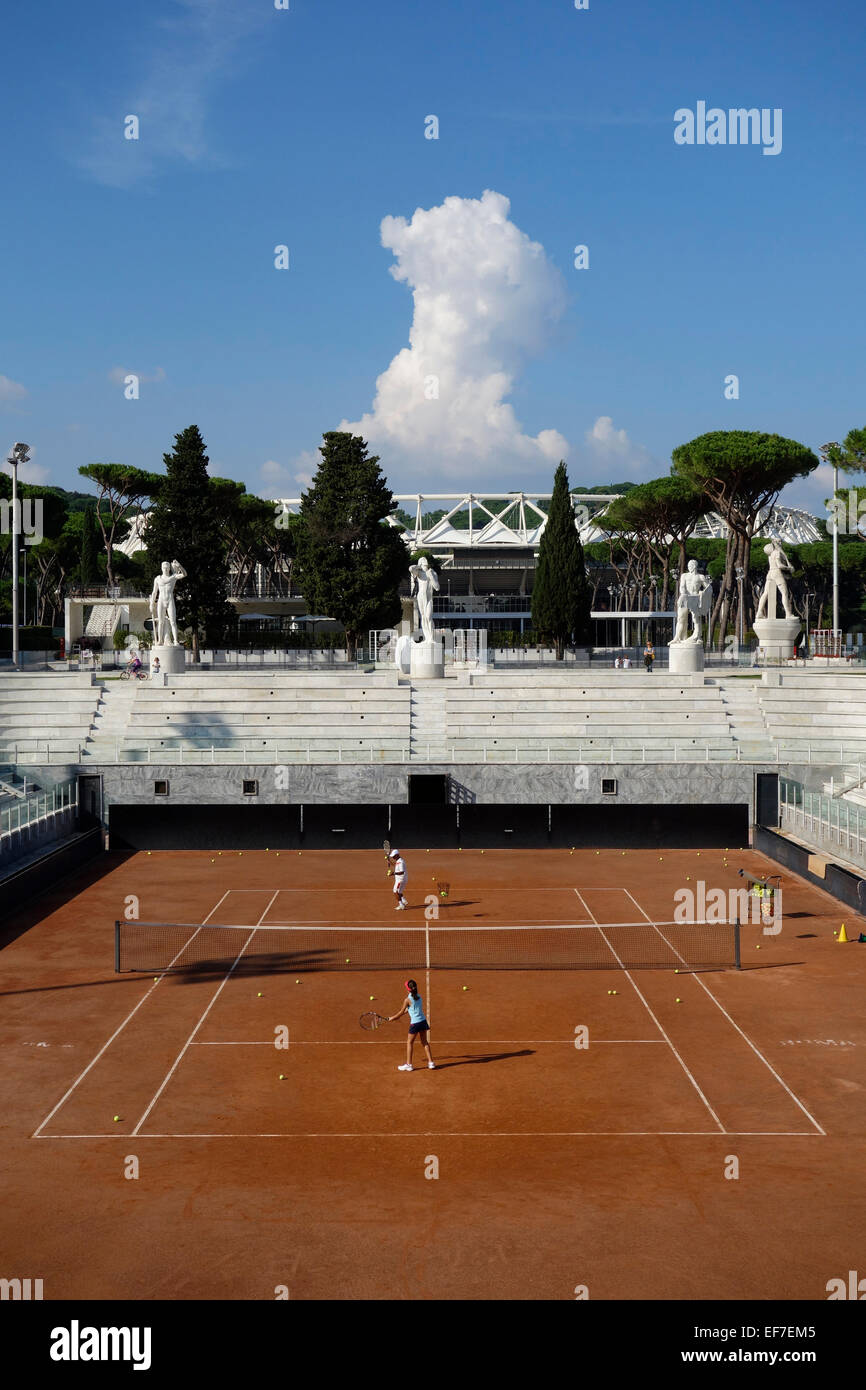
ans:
(20, 453)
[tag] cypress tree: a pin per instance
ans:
(185, 525)
(560, 594)
(351, 561)
(88, 568)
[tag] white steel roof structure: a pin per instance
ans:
(488, 528)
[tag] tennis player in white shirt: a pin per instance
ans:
(397, 867)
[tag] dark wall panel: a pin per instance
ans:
(424, 827)
(204, 827)
(497, 827)
(345, 827)
(669, 827)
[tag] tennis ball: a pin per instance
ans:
(482, 851)
(220, 853)
(757, 948)
(213, 861)
(148, 853)
(679, 1001)
(297, 982)
(459, 849)
(116, 1118)
(372, 996)
(613, 991)
(155, 979)
(259, 994)
(282, 1077)
(347, 960)
(465, 987)
(608, 991)
(676, 972)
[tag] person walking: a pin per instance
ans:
(649, 656)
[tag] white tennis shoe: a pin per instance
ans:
(405, 1067)
(431, 1066)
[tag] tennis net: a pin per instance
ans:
(157, 947)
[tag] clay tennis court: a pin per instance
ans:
(558, 1166)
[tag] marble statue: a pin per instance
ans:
(425, 582)
(162, 609)
(776, 583)
(695, 598)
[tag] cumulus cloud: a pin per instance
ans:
(607, 446)
(288, 480)
(485, 298)
(11, 390)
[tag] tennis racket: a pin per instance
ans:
(386, 845)
(370, 1021)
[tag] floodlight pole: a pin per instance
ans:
(835, 557)
(13, 461)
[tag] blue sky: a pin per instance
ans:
(306, 128)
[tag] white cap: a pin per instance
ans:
(395, 854)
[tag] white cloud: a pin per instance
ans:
(119, 374)
(485, 297)
(607, 447)
(198, 49)
(288, 480)
(11, 390)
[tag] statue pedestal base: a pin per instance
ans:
(777, 636)
(172, 660)
(427, 661)
(685, 658)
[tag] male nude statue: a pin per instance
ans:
(694, 586)
(778, 563)
(162, 608)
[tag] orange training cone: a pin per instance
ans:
(843, 936)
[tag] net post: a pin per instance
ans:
(117, 948)
(737, 943)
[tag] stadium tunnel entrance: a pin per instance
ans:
(279, 826)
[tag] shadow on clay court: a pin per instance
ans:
(467, 1059)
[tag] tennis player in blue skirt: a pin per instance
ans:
(418, 1026)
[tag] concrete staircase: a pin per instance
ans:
(428, 721)
(111, 720)
(746, 721)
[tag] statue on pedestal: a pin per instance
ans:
(695, 598)
(776, 583)
(162, 609)
(425, 582)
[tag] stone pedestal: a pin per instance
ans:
(427, 661)
(172, 660)
(685, 658)
(777, 636)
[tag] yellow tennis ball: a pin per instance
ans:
(116, 1118)
(482, 851)
(676, 972)
(426, 851)
(372, 996)
(465, 987)
(297, 982)
(148, 852)
(613, 991)
(679, 1001)
(213, 861)
(347, 960)
(757, 948)
(220, 853)
(608, 991)
(459, 849)
(155, 979)
(259, 994)
(282, 1077)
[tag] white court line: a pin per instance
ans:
(755, 1049)
(179, 1058)
(657, 1024)
(440, 1042)
(585, 907)
(37, 1134)
(638, 906)
(482, 1134)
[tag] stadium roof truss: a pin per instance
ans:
(515, 519)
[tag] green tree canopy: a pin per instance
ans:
(560, 595)
(122, 489)
(351, 561)
(185, 524)
(742, 473)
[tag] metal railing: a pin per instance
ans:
(823, 820)
(38, 806)
(37, 752)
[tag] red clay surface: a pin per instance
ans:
(557, 1166)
